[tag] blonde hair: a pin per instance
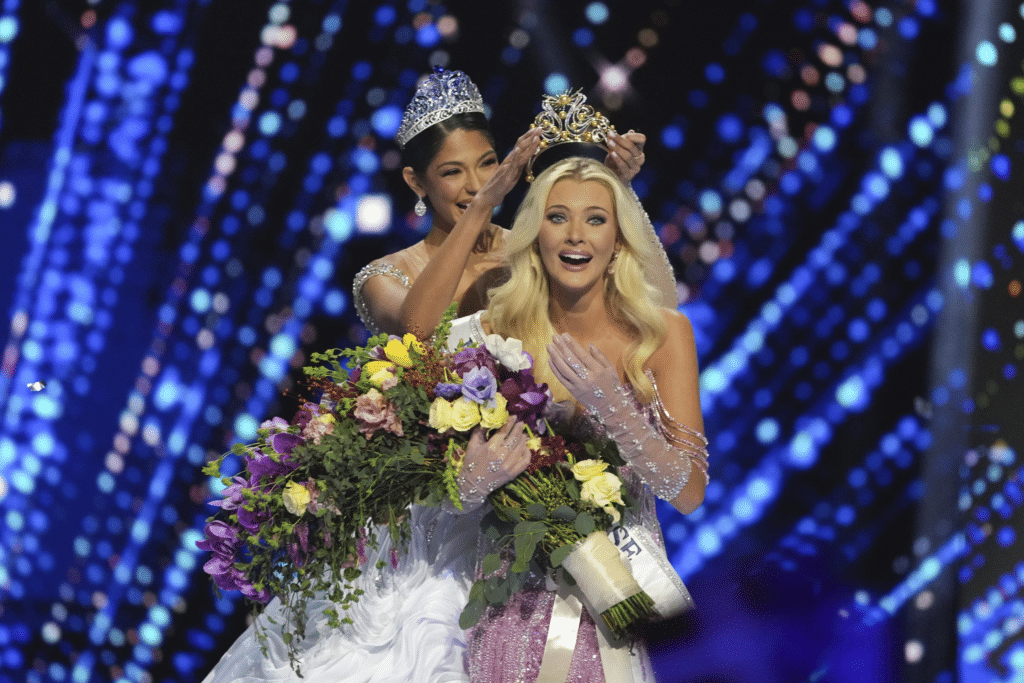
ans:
(519, 307)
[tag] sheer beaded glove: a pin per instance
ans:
(663, 459)
(491, 462)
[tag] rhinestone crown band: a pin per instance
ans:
(440, 96)
(568, 118)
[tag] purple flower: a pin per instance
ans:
(302, 533)
(473, 357)
(284, 442)
(526, 399)
(276, 424)
(261, 465)
(221, 540)
(252, 520)
(448, 391)
(479, 385)
(233, 498)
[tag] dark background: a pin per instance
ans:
(188, 188)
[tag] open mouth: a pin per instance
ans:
(575, 259)
(462, 205)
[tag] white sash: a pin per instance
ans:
(652, 570)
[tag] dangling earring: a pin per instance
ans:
(420, 209)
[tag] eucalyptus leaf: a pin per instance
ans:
(496, 590)
(471, 613)
(584, 523)
(491, 563)
(559, 554)
(564, 513)
(537, 511)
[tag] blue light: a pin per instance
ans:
(282, 345)
(8, 29)
(361, 71)
(891, 163)
(825, 138)
(962, 273)
(1007, 33)
(909, 28)
(428, 35)
(714, 73)
(1001, 166)
(876, 186)
(386, 120)
(270, 123)
(990, 340)
(166, 23)
(760, 489)
(245, 427)
(730, 128)
(982, 275)
(583, 37)
(384, 16)
(921, 131)
(713, 380)
(46, 407)
(672, 137)
(556, 83)
(767, 430)
(710, 202)
(365, 160)
(709, 542)
(119, 33)
(986, 53)
(200, 301)
(596, 12)
(339, 224)
(802, 451)
(148, 66)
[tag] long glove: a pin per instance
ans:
(664, 458)
(491, 462)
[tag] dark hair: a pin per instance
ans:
(424, 146)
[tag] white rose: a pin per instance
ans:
(509, 352)
(603, 490)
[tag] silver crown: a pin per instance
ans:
(441, 95)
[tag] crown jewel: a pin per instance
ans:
(568, 118)
(440, 96)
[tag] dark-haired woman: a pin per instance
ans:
(450, 163)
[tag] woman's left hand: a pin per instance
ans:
(587, 373)
(626, 154)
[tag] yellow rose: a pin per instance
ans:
(381, 377)
(465, 414)
(296, 497)
(396, 351)
(585, 470)
(375, 369)
(493, 418)
(411, 342)
(534, 443)
(441, 415)
(602, 490)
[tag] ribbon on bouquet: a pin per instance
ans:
(651, 569)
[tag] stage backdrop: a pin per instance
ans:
(188, 186)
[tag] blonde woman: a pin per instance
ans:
(579, 298)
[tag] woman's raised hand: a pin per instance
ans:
(492, 462)
(626, 154)
(509, 171)
(587, 373)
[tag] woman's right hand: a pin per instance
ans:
(493, 462)
(509, 171)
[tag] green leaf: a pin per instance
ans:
(491, 563)
(471, 613)
(537, 511)
(496, 590)
(559, 554)
(287, 637)
(564, 513)
(584, 523)
(238, 449)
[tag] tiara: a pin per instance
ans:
(440, 95)
(568, 118)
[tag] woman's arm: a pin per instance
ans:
(673, 462)
(418, 309)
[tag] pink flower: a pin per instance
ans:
(318, 426)
(374, 412)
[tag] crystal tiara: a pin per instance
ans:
(440, 96)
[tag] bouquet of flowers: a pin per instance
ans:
(388, 431)
(557, 514)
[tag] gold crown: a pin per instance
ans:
(568, 118)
